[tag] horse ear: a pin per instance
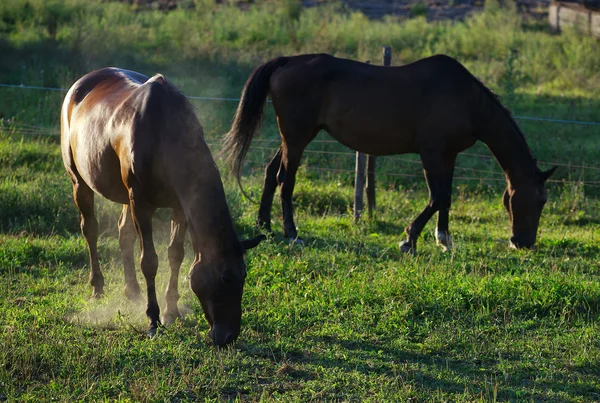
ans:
(251, 243)
(546, 174)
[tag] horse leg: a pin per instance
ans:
(442, 235)
(176, 253)
(290, 162)
(438, 174)
(297, 130)
(126, 241)
(84, 199)
(270, 185)
(142, 217)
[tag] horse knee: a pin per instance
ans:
(435, 204)
(439, 203)
(89, 227)
(271, 170)
(126, 238)
(280, 177)
(149, 263)
(176, 254)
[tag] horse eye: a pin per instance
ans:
(227, 279)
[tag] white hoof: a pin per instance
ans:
(444, 240)
(297, 241)
(170, 318)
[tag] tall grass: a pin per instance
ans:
(210, 50)
(95, 33)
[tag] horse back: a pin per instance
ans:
(375, 109)
(110, 127)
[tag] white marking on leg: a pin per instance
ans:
(443, 239)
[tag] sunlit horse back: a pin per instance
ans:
(136, 141)
(433, 107)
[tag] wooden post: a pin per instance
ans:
(371, 202)
(371, 198)
(359, 185)
(359, 182)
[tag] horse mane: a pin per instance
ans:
(177, 100)
(172, 101)
(497, 99)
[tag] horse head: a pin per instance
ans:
(218, 282)
(524, 204)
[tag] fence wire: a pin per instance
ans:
(233, 99)
(33, 130)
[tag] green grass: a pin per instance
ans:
(347, 318)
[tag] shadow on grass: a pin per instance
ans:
(581, 222)
(334, 244)
(371, 358)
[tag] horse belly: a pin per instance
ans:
(375, 140)
(101, 171)
(374, 128)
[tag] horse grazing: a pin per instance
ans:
(136, 141)
(433, 107)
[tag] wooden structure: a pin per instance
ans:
(563, 14)
(361, 165)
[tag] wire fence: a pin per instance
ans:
(233, 99)
(262, 145)
(479, 175)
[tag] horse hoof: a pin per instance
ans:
(264, 225)
(445, 248)
(133, 293)
(170, 318)
(152, 332)
(297, 241)
(444, 240)
(97, 294)
(406, 247)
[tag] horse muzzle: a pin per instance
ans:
(522, 242)
(222, 335)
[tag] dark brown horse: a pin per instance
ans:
(433, 107)
(137, 141)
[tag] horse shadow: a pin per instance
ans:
(370, 357)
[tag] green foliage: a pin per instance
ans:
(291, 9)
(419, 9)
(97, 34)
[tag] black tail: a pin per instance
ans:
(249, 115)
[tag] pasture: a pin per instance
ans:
(348, 317)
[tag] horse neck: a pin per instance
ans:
(207, 213)
(505, 140)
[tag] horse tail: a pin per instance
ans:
(249, 115)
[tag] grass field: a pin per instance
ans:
(347, 318)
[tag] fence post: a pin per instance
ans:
(371, 163)
(359, 182)
(371, 202)
(359, 185)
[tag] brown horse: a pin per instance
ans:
(433, 107)
(137, 141)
